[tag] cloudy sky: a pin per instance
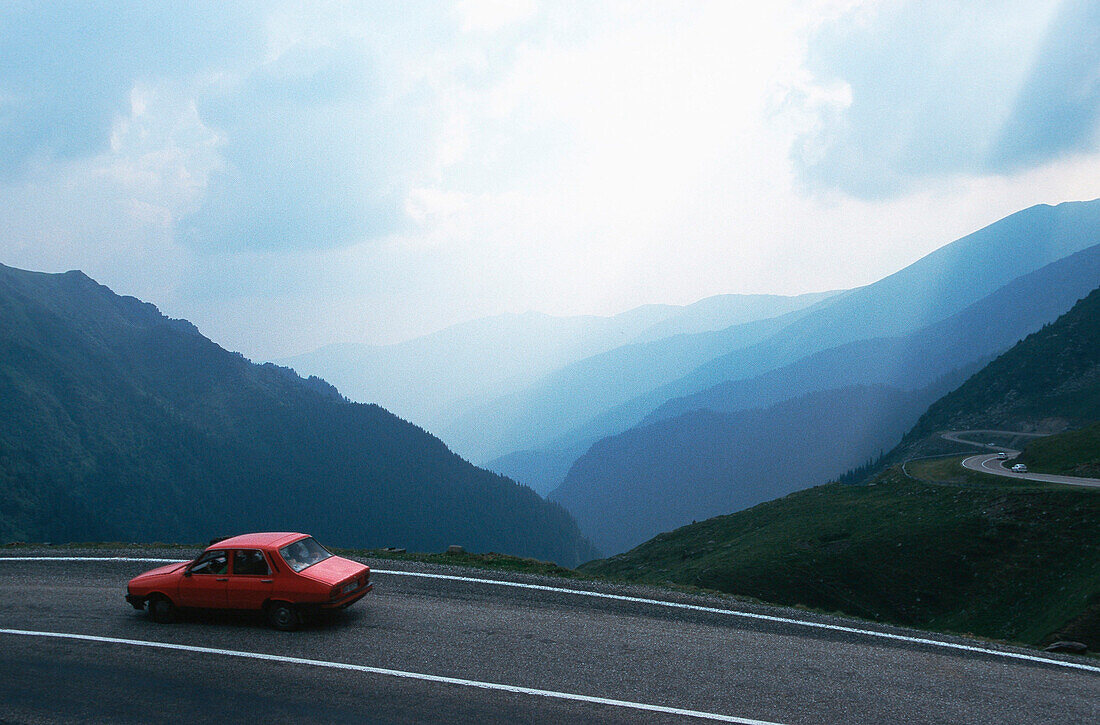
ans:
(288, 174)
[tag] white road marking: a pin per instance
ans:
(659, 603)
(397, 673)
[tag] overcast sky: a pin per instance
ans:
(289, 174)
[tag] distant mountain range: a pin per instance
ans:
(977, 332)
(599, 382)
(117, 423)
(687, 461)
(635, 423)
(439, 378)
(625, 479)
(563, 400)
(730, 369)
(528, 395)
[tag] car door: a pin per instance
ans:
(205, 582)
(250, 579)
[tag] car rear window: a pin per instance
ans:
(303, 553)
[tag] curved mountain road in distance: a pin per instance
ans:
(424, 646)
(990, 463)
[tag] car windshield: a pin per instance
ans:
(303, 553)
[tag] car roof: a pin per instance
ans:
(264, 538)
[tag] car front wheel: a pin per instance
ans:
(283, 616)
(161, 610)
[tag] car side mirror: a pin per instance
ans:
(187, 573)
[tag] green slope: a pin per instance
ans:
(998, 561)
(1076, 453)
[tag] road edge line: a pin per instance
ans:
(516, 689)
(754, 615)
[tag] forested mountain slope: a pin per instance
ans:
(117, 423)
(997, 561)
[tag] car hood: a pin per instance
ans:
(160, 570)
(334, 570)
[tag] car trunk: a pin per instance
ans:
(334, 570)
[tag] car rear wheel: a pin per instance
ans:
(283, 616)
(161, 610)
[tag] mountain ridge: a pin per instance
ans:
(1051, 377)
(118, 423)
(932, 357)
(436, 378)
(977, 333)
(927, 291)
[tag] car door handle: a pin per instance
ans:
(266, 581)
(222, 579)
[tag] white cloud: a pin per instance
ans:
(893, 92)
(491, 15)
(113, 214)
(565, 157)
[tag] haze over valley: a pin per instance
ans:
(617, 434)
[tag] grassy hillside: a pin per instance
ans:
(1002, 561)
(1076, 453)
(117, 423)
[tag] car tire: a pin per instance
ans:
(283, 616)
(161, 610)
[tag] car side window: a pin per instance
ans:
(212, 562)
(249, 562)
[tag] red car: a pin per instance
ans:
(283, 574)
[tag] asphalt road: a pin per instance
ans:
(990, 463)
(412, 632)
(965, 436)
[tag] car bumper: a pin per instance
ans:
(344, 603)
(135, 601)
